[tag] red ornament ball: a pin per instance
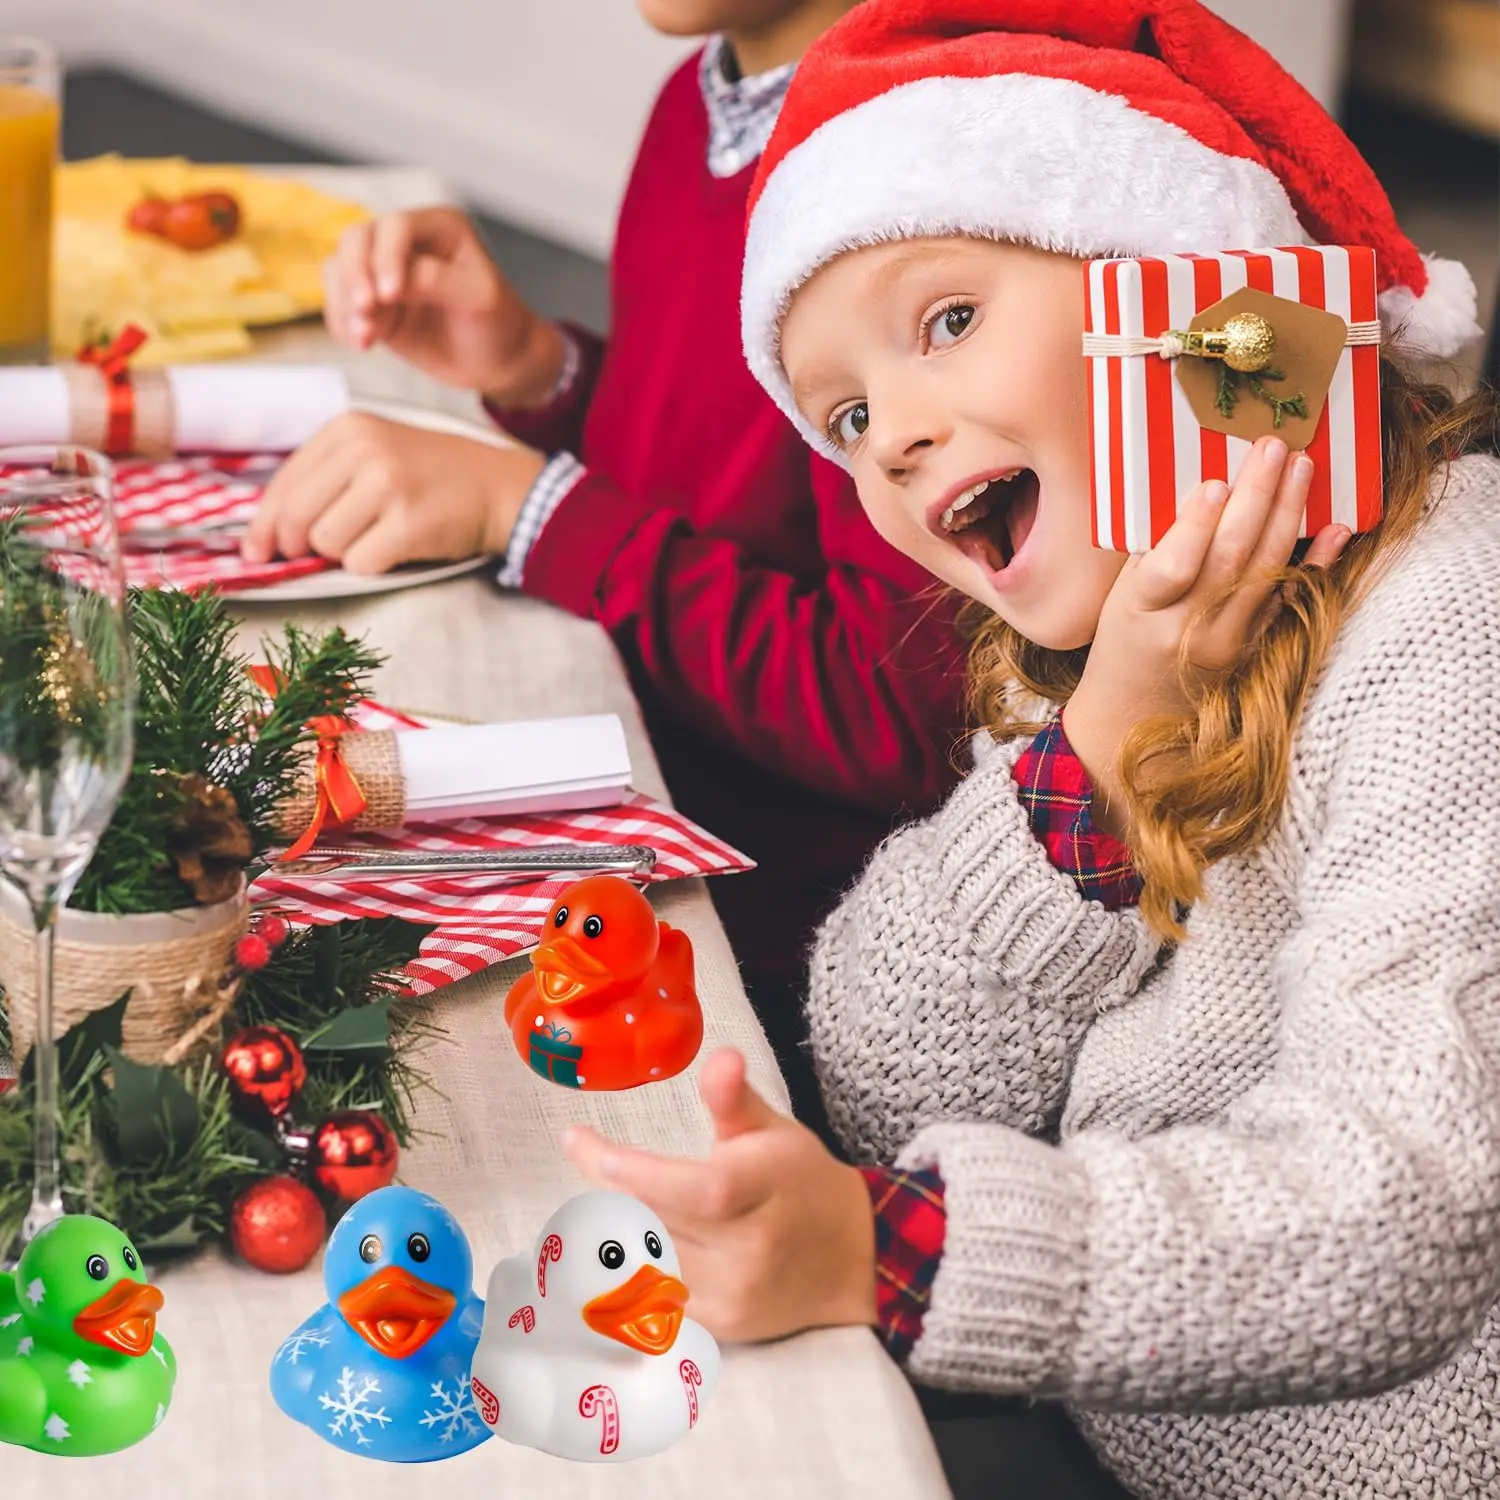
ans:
(353, 1153)
(252, 951)
(277, 1225)
(273, 929)
(265, 1069)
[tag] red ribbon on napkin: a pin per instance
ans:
(113, 363)
(340, 798)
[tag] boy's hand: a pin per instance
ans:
(774, 1234)
(1194, 600)
(371, 494)
(423, 284)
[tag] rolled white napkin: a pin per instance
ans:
(490, 770)
(454, 771)
(229, 408)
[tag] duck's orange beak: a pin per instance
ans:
(395, 1313)
(123, 1319)
(565, 973)
(644, 1313)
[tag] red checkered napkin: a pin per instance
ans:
(198, 490)
(477, 922)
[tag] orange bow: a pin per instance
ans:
(341, 799)
(113, 364)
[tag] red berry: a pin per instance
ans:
(252, 951)
(274, 930)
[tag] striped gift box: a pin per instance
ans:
(1147, 447)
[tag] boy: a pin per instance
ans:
(801, 683)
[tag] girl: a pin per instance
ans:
(1220, 1168)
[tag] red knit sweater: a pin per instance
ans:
(799, 677)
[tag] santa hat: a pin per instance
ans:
(1116, 127)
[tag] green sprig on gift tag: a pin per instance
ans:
(1230, 382)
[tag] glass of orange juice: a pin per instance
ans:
(30, 111)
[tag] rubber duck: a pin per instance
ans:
(382, 1368)
(83, 1370)
(586, 1352)
(609, 1001)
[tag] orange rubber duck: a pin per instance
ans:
(609, 1001)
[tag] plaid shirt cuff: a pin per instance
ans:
(550, 488)
(1056, 793)
(910, 1224)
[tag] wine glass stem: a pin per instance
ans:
(46, 1189)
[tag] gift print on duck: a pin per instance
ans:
(609, 1001)
(83, 1370)
(382, 1368)
(587, 1352)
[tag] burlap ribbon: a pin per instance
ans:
(172, 979)
(117, 410)
(353, 780)
(373, 765)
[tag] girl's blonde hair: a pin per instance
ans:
(1211, 784)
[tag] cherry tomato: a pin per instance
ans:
(147, 216)
(201, 221)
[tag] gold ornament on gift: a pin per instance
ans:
(1244, 348)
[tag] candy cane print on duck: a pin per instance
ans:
(586, 1351)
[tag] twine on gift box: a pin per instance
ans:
(170, 982)
(1243, 349)
(1174, 344)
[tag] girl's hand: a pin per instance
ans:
(1196, 598)
(773, 1233)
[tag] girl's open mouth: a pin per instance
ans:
(991, 520)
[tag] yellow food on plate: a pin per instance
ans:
(193, 304)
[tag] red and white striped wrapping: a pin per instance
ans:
(1148, 450)
(198, 491)
(479, 923)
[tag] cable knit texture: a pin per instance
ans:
(1238, 1202)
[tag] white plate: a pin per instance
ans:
(335, 583)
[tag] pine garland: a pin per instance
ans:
(160, 1151)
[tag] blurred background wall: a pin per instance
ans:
(529, 108)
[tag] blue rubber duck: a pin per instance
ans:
(382, 1368)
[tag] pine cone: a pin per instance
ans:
(212, 845)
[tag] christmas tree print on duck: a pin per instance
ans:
(587, 1353)
(609, 1001)
(382, 1368)
(83, 1370)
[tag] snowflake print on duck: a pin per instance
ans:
(382, 1368)
(586, 1352)
(83, 1370)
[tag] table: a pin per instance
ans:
(822, 1415)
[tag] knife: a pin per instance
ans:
(341, 862)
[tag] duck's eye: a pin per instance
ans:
(593, 926)
(369, 1248)
(950, 326)
(97, 1267)
(418, 1247)
(129, 1256)
(653, 1244)
(851, 424)
(560, 917)
(611, 1255)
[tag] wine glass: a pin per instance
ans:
(67, 703)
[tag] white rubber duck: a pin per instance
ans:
(585, 1352)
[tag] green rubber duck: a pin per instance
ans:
(83, 1370)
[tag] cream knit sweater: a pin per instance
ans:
(1238, 1204)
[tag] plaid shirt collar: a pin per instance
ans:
(741, 113)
